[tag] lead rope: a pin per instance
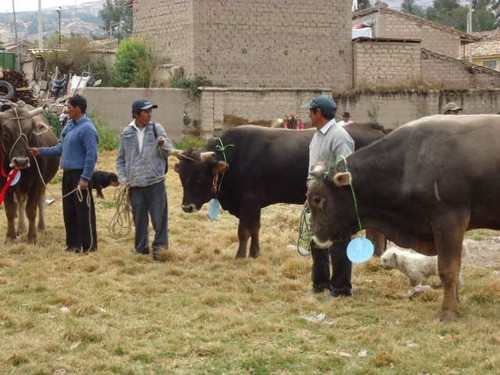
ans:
(121, 223)
(342, 158)
(216, 185)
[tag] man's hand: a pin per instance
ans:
(161, 141)
(83, 184)
(35, 151)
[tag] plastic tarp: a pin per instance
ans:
(362, 33)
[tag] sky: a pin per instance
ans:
(24, 5)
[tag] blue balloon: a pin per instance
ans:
(214, 209)
(360, 250)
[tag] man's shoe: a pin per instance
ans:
(143, 252)
(331, 297)
(316, 291)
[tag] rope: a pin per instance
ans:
(121, 223)
(341, 158)
(222, 149)
(304, 239)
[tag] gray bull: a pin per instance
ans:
(423, 186)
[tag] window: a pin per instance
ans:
(492, 64)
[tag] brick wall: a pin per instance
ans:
(168, 26)
(385, 63)
(451, 73)
(391, 24)
(253, 43)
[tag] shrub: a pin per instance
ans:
(179, 81)
(108, 140)
(135, 64)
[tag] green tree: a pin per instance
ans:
(410, 6)
(449, 13)
(484, 15)
(363, 4)
(135, 64)
(117, 18)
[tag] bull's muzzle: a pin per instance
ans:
(189, 208)
(19, 162)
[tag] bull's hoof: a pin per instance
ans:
(447, 317)
(32, 240)
(9, 240)
(41, 228)
(240, 256)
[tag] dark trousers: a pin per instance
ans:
(150, 201)
(338, 280)
(79, 218)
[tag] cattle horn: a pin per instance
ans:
(208, 155)
(318, 171)
(175, 152)
(35, 112)
(342, 179)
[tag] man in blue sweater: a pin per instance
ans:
(78, 149)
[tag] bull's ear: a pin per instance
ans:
(176, 167)
(342, 179)
(221, 166)
(39, 127)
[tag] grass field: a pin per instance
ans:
(202, 312)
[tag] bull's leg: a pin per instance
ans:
(379, 239)
(41, 211)
(448, 238)
(243, 236)
(31, 206)
(10, 213)
(21, 205)
(255, 228)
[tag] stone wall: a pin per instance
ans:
(385, 62)
(253, 43)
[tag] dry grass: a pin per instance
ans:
(201, 312)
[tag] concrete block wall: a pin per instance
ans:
(253, 43)
(382, 63)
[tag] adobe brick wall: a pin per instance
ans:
(388, 25)
(379, 63)
(253, 43)
(452, 73)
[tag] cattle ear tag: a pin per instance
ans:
(214, 209)
(17, 176)
(360, 250)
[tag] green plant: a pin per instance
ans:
(108, 140)
(190, 141)
(135, 64)
(179, 81)
(54, 123)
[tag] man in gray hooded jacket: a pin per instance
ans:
(141, 163)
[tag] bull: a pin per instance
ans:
(423, 186)
(251, 167)
(20, 129)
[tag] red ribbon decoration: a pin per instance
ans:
(12, 175)
(215, 183)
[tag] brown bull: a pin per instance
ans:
(20, 129)
(423, 186)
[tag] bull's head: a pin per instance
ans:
(198, 171)
(17, 126)
(329, 198)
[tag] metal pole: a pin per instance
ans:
(18, 52)
(59, 15)
(469, 30)
(40, 25)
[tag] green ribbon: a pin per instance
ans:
(342, 158)
(222, 148)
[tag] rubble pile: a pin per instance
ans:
(21, 86)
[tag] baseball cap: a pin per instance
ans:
(451, 106)
(142, 104)
(325, 103)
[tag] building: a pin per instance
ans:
(486, 52)
(251, 43)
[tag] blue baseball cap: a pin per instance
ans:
(325, 103)
(141, 105)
